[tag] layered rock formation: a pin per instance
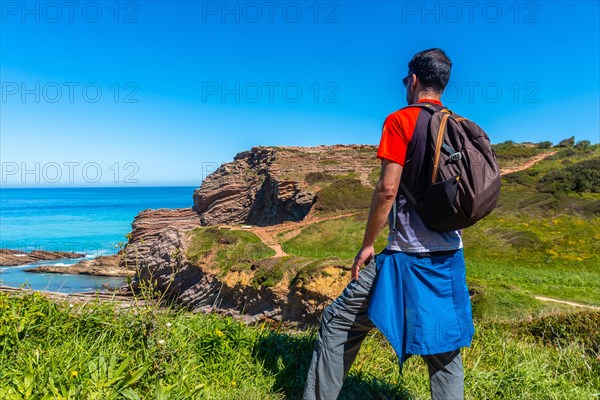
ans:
(263, 186)
(250, 190)
(147, 228)
(10, 257)
(266, 185)
(98, 266)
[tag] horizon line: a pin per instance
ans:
(92, 186)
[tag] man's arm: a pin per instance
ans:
(381, 204)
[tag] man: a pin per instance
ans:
(424, 268)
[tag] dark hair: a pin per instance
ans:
(432, 67)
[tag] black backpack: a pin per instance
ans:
(463, 177)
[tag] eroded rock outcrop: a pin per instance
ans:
(147, 228)
(266, 185)
(250, 190)
(98, 266)
(263, 186)
(10, 257)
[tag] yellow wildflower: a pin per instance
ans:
(74, 374)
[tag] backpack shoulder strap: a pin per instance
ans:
(439, 144)
(430, 107)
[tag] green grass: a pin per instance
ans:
(344, 193)
(494, 301)
(96, 351)
(534, 243)
(555, 257)
(339, 238)
(234, 249)
(374, 176)
(318, 177)
(270, 271)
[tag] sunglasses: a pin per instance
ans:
(407, 79)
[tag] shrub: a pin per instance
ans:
(268, 277)
(569, 142)
(528, 176)
(581, 177)
(313, 177)
(564, 329)
(344, 194)
(583, 145)
(544, 145)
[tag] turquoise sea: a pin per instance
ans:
(90, 220)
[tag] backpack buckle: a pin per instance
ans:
(455, 156)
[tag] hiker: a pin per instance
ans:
(420, 276)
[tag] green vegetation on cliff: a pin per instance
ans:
(230, 248)
(508, 152)
(581, 177)
(344, 194)
(332, 238)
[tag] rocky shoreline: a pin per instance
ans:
(99, 266)
(14, 258)
(262, 187)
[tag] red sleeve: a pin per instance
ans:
(398, 129)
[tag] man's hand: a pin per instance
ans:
(363, 257)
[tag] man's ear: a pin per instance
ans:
(414, 82)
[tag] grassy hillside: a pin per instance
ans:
(226, 249)
(98, 351)
(332, 238)
(543, 239)
(540, 241)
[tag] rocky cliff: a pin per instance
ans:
(265, 186)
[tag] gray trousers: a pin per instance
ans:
(344, 325)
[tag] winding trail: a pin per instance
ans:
(570, 303)
(268, 234)
(528, 164)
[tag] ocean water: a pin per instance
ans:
(90, 220)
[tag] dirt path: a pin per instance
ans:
(530, 163)
(268, 234)
(570, 303)
(269, 237)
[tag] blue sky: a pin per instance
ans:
(147, 93)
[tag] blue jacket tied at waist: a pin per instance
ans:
(421, 303)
